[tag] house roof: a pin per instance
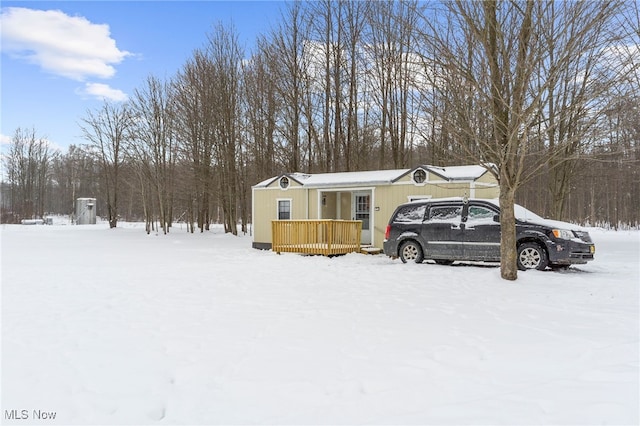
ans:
(452, 173)
(376, 177)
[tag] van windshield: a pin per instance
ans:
(525, 215)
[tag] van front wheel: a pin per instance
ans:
(532, 256)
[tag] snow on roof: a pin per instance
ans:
(373, 177)
(350, 178)
(459, 172)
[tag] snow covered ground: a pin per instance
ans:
(115, 326)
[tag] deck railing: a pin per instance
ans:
(326, 237)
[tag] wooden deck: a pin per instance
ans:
(322, 237)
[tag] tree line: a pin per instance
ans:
(548, 92)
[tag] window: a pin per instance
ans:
(284, 209)
(419, 176)
(411, 214)
(363, 209)
(445, 214)
(284, 182)
(479, 215)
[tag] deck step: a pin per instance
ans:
(370, 250)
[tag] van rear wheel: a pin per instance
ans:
(410, 251)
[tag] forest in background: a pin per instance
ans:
(350, 86)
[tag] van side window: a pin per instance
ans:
(480, 215)
(411, 214)
(445, 214)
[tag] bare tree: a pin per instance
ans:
(107, 130)
(392, 46)
(27, 165)
(355, 13)
(196, 100)
(545, 94)
(327, 33)
(260, 110)
(226, 56)
(74, 175)
(285, 57)
(140, 160)
(154, 143)
(577, 77)
(502, 75)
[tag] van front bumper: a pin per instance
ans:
(570, 252)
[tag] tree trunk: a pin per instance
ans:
(508, 249)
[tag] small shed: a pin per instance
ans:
(86, 211)
(368, 196)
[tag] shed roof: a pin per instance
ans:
(377, 177)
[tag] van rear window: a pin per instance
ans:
(411, 214)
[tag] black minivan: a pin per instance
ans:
(460, 229)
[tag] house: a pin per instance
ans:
(369, 196)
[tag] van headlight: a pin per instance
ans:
(563, 234)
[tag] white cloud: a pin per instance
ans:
(53, 146)
(104, 91)
(5, 140)
(69, 46)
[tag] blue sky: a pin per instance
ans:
(60, 59)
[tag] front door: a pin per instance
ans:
(362, 211)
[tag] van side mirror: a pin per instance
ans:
(496, 218)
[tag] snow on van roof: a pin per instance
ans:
(377, 176)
